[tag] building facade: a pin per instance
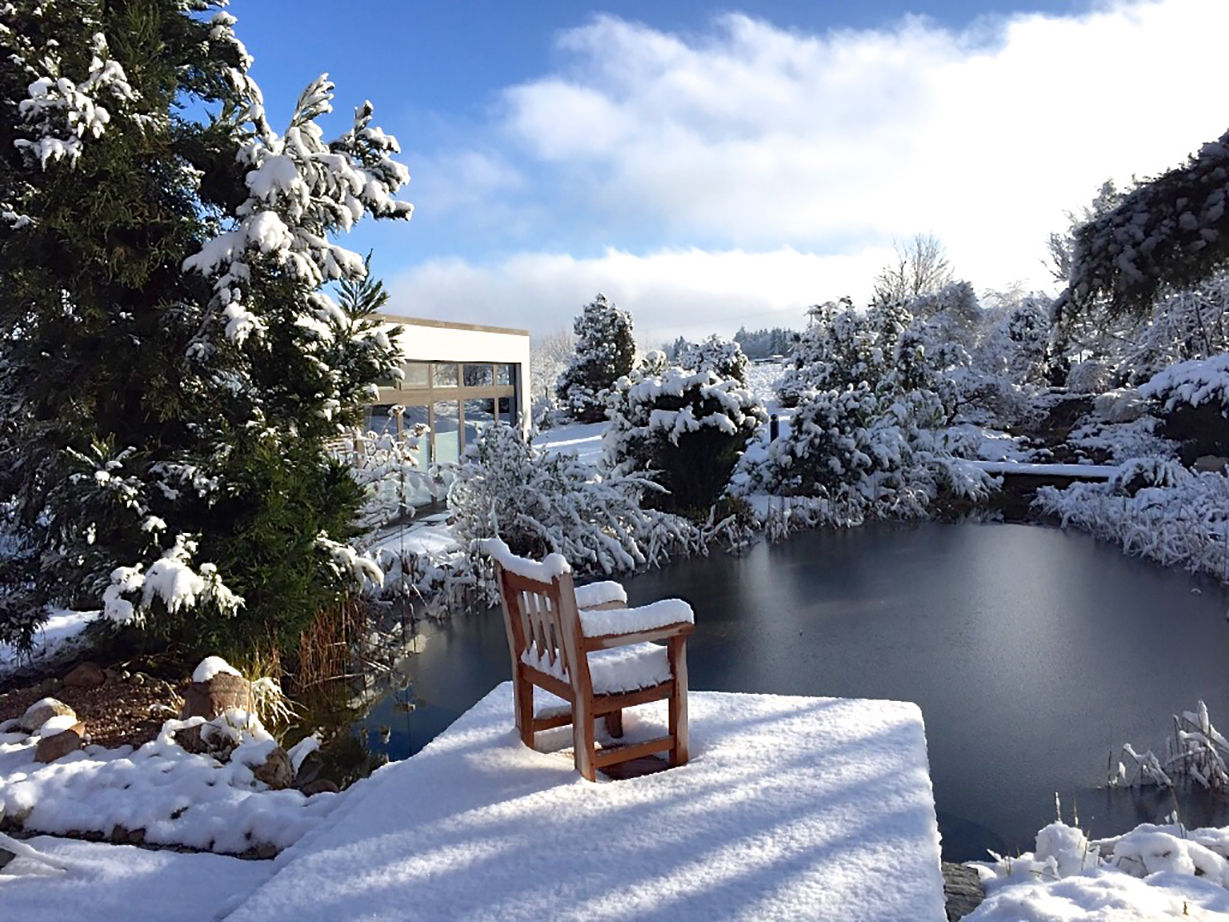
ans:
(458, 379)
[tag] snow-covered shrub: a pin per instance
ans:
(1182, 520)
(1092, 376)
(683, 429)
(605, 351)
(842, 347)
(541, 503)
(720, 356)
(1193, 400)
(865, 456)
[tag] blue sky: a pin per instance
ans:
(709, 167)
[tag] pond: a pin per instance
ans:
(1034, 653)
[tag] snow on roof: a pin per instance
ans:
(791, 808)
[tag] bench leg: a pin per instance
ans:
(614, 724)
(523, 692)
(677, 651)
(583, 742)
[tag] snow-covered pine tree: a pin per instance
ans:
(170, 364)
(605, 351)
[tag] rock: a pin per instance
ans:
(276, 770)
(85, 675)
(42, 711)
(48, 685)
(962, 890)
(5, 857)
(1214, 464)
(319, 786)
(50, 748)
(194, 740)
(211, 699)
(1121, 405)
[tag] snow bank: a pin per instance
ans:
(1151, 872)
(177, 797)
(123, 882)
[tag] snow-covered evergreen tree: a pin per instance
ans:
(1172, 231)
(171, 362)
(605, 350)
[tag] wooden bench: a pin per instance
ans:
(599, 660)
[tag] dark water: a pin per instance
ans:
(1033, 653)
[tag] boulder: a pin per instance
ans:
(319, 786)
(42, 711)
(211, 698)
(85, 675)
(276, 770)
(197, 740)
(50, 748)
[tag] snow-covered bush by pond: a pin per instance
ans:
(1155, 508)
(682, 429)
(541, 503)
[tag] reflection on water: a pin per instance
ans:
(1033, 653)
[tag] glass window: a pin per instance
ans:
(445, 374)
(380, 420)
(479, 375)
(415, 485)
(507, 411)
(446, 431)
(417, 374)
(478, 415)
(505, 374)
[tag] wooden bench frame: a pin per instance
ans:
(542, 617)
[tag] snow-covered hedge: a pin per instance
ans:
(683, 429)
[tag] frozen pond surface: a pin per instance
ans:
(1033, 653)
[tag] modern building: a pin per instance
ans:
(458, 379)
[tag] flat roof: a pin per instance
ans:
(447, 325)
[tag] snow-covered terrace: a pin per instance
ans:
(790, 808)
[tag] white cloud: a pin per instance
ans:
(767, 146)
(669, 293)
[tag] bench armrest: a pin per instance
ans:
(668, 616)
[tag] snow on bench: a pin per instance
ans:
(790, 808)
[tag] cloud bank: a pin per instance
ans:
(728, 176)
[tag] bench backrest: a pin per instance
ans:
(542, 621)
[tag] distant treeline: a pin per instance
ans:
(755, 344)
